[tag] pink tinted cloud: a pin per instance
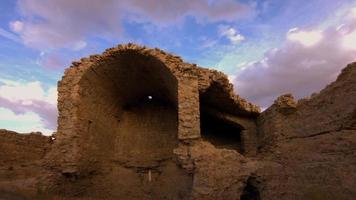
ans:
(46, 111)
(22, 97)
(52, 61)
(296, 67)
(170, 11)
(61, 23)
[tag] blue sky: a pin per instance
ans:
(266, 47)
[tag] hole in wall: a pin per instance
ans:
(221, 133)
(251, 191)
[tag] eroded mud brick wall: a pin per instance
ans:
(21, 158)
(138, 123)
(21, 148)
(188, 107)
(308, 147)
(101, 95)
(124, 112)
(219, 105)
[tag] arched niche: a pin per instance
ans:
(128, 110)
(128, 128)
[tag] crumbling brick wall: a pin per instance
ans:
(308, 147)
(21, 158)
(132, 125)
(133, 106)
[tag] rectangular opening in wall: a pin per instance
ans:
(221, 133)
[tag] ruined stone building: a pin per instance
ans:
(139, 123)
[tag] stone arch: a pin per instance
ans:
(128, 110)
(71, 127)
(118, 124)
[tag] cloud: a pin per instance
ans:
(306, 62)
(307, 38)
(9, 35)
(16, 26)
(22, 122)
(52, 60)
(62, 23)
(349, 40)
(31, 97)
(79, 45)
(353, 13)
(170, 11)
(231, 34)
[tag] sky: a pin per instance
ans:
(266, 47)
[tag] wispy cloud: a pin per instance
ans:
(9, 35)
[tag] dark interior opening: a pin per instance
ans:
(251, 191)
(221, 133)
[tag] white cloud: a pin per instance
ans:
(64, 23)
(353, 12)
(79, 45)
(30, 97)
(305, 63)
(51, 96)
(16, 26)
(21, 92)
(307, 38)
(6, 114)
(231, 34)
(349, 40)
(22, 123)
